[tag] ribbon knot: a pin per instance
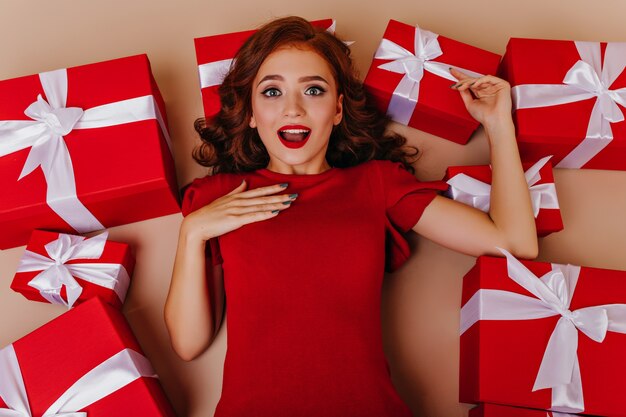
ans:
(60, 121)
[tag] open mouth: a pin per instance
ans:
(294, 136)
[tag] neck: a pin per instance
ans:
(306, 169)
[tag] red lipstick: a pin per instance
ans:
(294, 136)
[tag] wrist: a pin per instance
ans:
(190, 233)
(498, 122)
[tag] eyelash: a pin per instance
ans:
(267, 91)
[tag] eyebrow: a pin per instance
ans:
(301, 79)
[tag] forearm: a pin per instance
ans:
(510, 208)
(188, 313)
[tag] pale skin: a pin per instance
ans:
(295, 86)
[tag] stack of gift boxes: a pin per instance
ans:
(534, 336)
(70, 145)
(537, 339)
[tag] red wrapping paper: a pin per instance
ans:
(440, 109)
(225, 46)
(114, 252)
(547, 221)
(493, 410)
(500, 359)
(124, 173)
(55, 356)
(556, 130)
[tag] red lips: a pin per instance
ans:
(294, 136)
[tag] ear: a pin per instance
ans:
(339, 113)
(252, 123)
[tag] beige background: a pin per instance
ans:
(421, 302)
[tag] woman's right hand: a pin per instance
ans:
(235, 209)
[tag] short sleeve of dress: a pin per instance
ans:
(199, 193)
(405, 199)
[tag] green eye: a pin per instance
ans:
(271, 92)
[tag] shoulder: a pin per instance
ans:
(204, 190)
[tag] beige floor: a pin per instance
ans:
(421, 302)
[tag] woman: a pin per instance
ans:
(309, 200)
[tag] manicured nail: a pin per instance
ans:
(293, 196)
(284, 185)
(287, 202)
(472, 83)
(275, 211)
(454, 85)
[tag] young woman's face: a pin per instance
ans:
(294, 108)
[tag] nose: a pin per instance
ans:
(293, 106)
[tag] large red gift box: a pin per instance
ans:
(85, 360)
(82, 149)
(569, 99)
(410, 80)
(66, 269)
(494, 410)
(541, 335)
(215, 54)
(472, 185)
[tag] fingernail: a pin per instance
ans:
(293, 196)
(454, 85)
(284, 185)
(275, 211)
(472, 83)
(286, 203)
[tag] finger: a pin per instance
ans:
(262, 191)
(258, 216)
(459, 75)
(242, 210)
(241, 187)
(466, 96)
(255, 201)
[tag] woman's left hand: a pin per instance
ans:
(487, 98)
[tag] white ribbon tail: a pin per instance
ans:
(213, 73)
(12, 388)
(107, 275)
(116, 372)
(19, 134)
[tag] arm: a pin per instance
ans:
(195, 302)
(510, 223)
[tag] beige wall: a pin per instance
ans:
(421, 301)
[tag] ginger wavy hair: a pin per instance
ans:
(230, 145)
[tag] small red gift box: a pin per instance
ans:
(472, 185)
(68, 270)
(544, 336)
(493, 410)
(410, 80)
(82, 149)
(569, 99)
(215, 55)
(87, 360)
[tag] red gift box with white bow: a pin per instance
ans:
(215, 55)
(569, 100)
(82, 149)
(66, 269)
(494, 410)
(410, 80)
(471, 185)
(545, 336)
(84, 362)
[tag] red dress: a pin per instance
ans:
(303, 291)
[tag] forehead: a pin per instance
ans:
(292, 61)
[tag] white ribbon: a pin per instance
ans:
(56, 273)
(44, 135)
(412, 65)
(559, 368)
(555, 414)
(213, 73)
(114, 373)
(475, 193)
(586, 79)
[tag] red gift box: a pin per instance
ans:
(410, 80)
(545, 336)
(493, 410)
(215, 54)
(68, 270)
(472, 185)
(86, 360)
(90, 152)
(569, 99)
